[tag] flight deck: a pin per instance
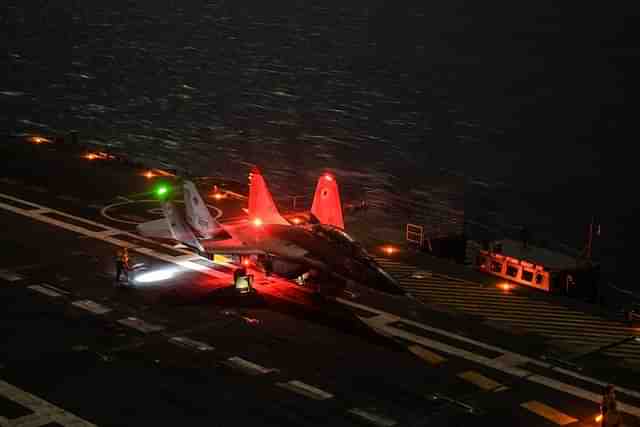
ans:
(179, 346)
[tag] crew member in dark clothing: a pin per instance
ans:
(268, 265)
(609, 408)
(122, 264)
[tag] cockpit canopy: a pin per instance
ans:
(341, 238)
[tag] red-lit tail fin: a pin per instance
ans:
(261, 205)
(327, 206)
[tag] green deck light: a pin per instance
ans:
(162, 191)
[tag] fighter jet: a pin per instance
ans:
(319, 251)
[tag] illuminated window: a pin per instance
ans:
(512, 270)
(539, 278)
(496, 266)
(527, 275)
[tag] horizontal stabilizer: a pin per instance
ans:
(172, 226)
(157, 229)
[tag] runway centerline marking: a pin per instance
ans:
(383, 319)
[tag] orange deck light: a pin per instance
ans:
(37, 140)
(389, 250)
(505, 286)
(257, 222)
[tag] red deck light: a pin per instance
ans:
(257, 222)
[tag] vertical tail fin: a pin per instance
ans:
(197, 213)
(261, 205)
(327, 206)
(179, 229)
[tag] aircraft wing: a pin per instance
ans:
(230, 247)
(158, 229)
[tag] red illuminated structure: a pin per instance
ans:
(326, 206)
(262, 209)
(536, 267)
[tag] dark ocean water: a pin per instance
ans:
(525, 101)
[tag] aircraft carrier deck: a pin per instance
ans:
(76, 350)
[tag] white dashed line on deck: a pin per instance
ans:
(140, 325)
(247, 367)
(305, 390)
(10, 276)
(44, 290)
(372, 418)
(189, 343)
(91, 306)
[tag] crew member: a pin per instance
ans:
(122, 264)
(609, 408)
(268, 265)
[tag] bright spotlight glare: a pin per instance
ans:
(257, 222)
(155, 276)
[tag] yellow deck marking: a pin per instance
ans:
(481, 381)
(424, 354)
(548, 412)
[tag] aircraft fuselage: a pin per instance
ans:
(322, 248)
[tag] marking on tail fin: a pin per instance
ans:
(327, 207)
(178, 227)
(262, 209)
(197, 213)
